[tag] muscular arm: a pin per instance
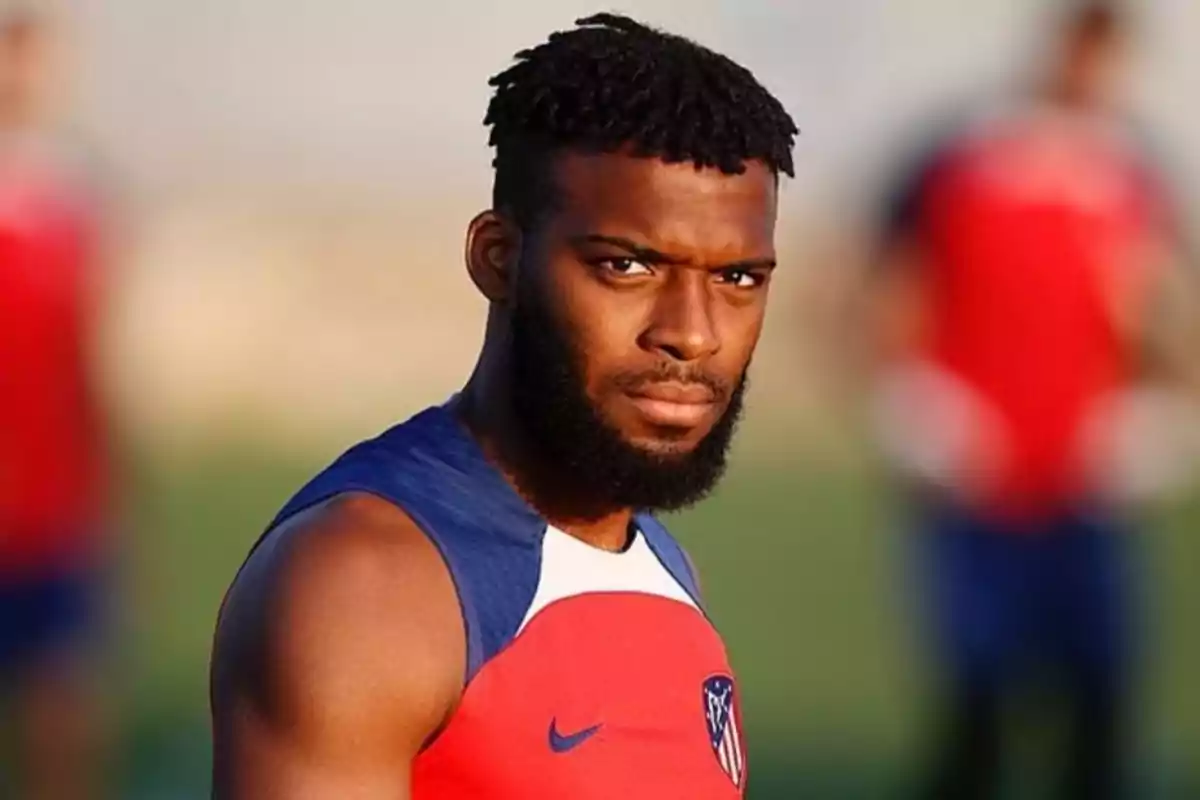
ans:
(339, 653)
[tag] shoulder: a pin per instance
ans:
(345, 611)
(454, 508)
(919, 159)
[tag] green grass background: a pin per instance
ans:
(804, 571)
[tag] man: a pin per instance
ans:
(53, 458)
(1021, 259)
(478, 603)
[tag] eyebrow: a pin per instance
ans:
(652, 256)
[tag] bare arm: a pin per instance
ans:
(1161, 324)
(894, 305)
(1168, 339)
(339, 653)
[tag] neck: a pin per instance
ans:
(485, 409)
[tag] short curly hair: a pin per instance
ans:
(613, 84)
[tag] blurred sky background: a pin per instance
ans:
(311, 166)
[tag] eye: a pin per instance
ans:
(628, 267)
(741, 278)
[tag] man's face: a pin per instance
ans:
(640, 301)
(1092, 71)
(24, 65)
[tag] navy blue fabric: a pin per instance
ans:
(1004, 601)
(489, 537)
(49, 612)
(670, 553)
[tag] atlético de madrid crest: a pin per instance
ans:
(724, 731)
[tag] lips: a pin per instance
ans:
(696, 394)
(674, 405)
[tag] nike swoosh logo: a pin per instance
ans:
(561, 744)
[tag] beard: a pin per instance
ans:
(574, 457)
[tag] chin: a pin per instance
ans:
(669, 443)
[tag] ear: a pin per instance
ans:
(493, 250)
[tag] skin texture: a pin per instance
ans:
(340, 650)
(659, 271)
(678, 280)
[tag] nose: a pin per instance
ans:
(683, 327)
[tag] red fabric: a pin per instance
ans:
(1034, 235)
(51, 451)
(634, 665)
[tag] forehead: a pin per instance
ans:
(674, 207)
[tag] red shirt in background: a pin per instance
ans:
(1035, 227)
(52, 459)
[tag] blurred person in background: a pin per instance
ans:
(53, 464)
(479, 603)
(1021, 318)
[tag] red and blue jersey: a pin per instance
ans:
(590, 674)
(1039, 232)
